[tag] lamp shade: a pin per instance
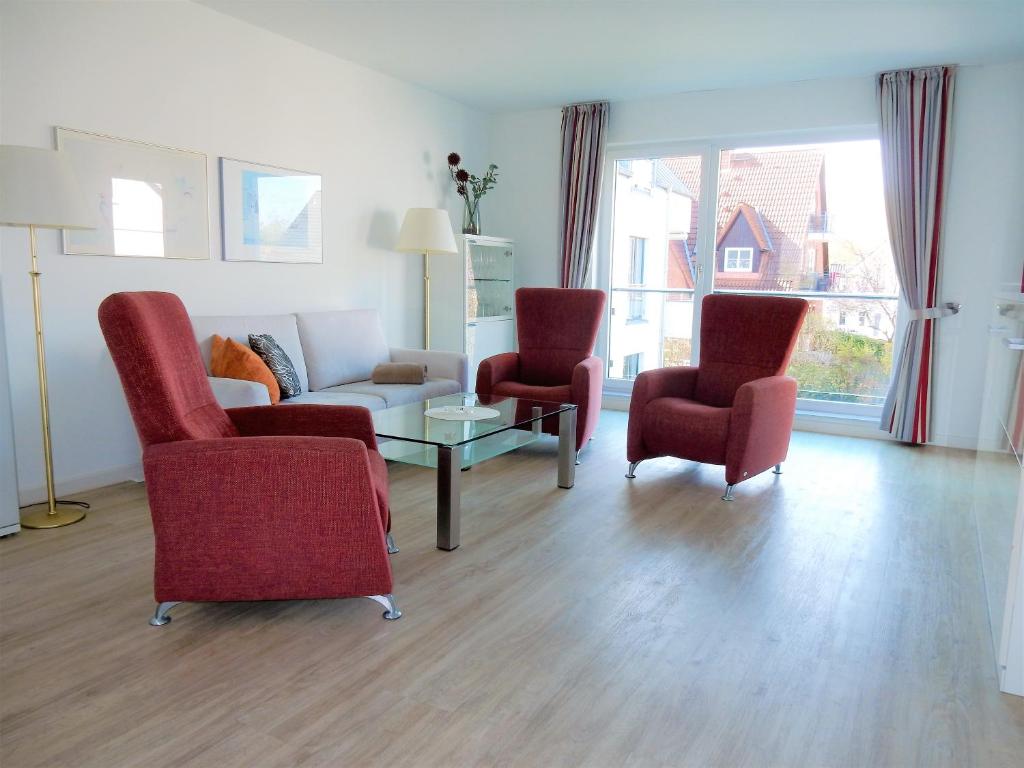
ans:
(426, 230)
(38, 187)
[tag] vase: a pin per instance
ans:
(471, 218)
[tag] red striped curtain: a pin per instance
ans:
(583, 137)
(915, 117)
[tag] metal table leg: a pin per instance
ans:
(567, 448)
(449, 496)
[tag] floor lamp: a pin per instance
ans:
(426, 231)
(39, 190)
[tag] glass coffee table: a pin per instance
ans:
(407, 435)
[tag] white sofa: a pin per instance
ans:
(334, 354)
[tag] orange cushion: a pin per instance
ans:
(231, 360)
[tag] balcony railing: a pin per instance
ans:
(844, 352)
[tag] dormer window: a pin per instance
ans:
(739, 259)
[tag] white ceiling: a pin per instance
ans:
(516, 54)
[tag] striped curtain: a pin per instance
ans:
(583, 135)
(915, 110)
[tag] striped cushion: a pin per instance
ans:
(278, 362)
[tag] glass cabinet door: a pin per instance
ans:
(488, 281)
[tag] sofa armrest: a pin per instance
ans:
(326, 421)
(495, 369)
(760, 426)
(265, 518)
(675, 381)
(237, 393)
(440, 364)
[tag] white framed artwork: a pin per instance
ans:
(150, 201)
(271, 214)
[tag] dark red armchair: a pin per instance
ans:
(280, 502)
(736, 408)
(557, 328)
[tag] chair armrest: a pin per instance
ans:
(495, 369)
(440, 364)
(587, 389)
(237, 393)
(265, 518)
(675, 381)
(352, 421)
(760, 426)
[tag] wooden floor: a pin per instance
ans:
(833, 616)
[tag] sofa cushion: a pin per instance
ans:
(238, 327)
(399, 394)
(341, 347)
(337, 398)
(231, 360)
(277, 360)
(674, 426)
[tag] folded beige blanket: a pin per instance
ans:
(399, 373)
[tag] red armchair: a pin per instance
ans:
(266, 503)
(557, 328)
(736, 408)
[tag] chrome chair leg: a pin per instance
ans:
(388, 601)
(778, 469)
(631, 472)
(160, 617)
(578, 462)
(728, 492)
(392, 547)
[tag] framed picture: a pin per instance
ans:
(271, 214)
(150, 201)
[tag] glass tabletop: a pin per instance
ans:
(408, 422)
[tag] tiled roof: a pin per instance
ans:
(781, 186)
(680, 269)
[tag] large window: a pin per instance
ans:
(815, 216)
(652, 267)
(802, 220)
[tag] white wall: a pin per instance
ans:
(981, 218)
(185, 76)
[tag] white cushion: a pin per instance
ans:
(281, 327)
(238, 393)
(341, 347)
(401, 394)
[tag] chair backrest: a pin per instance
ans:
(557, 328)
(150, 339)
(743, 338)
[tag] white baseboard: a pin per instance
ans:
(7, 530)
(80, 483)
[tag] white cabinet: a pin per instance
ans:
(8, 479)
(999, 488)
(472, 296)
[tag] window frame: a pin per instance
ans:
(635, 251)
(709, 148)
(749, 252)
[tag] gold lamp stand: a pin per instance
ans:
(39, 189)
(426, 231)
(51, 513)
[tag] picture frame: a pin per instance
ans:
(270, 214)
(151, 201)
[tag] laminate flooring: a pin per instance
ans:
(833, 616)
